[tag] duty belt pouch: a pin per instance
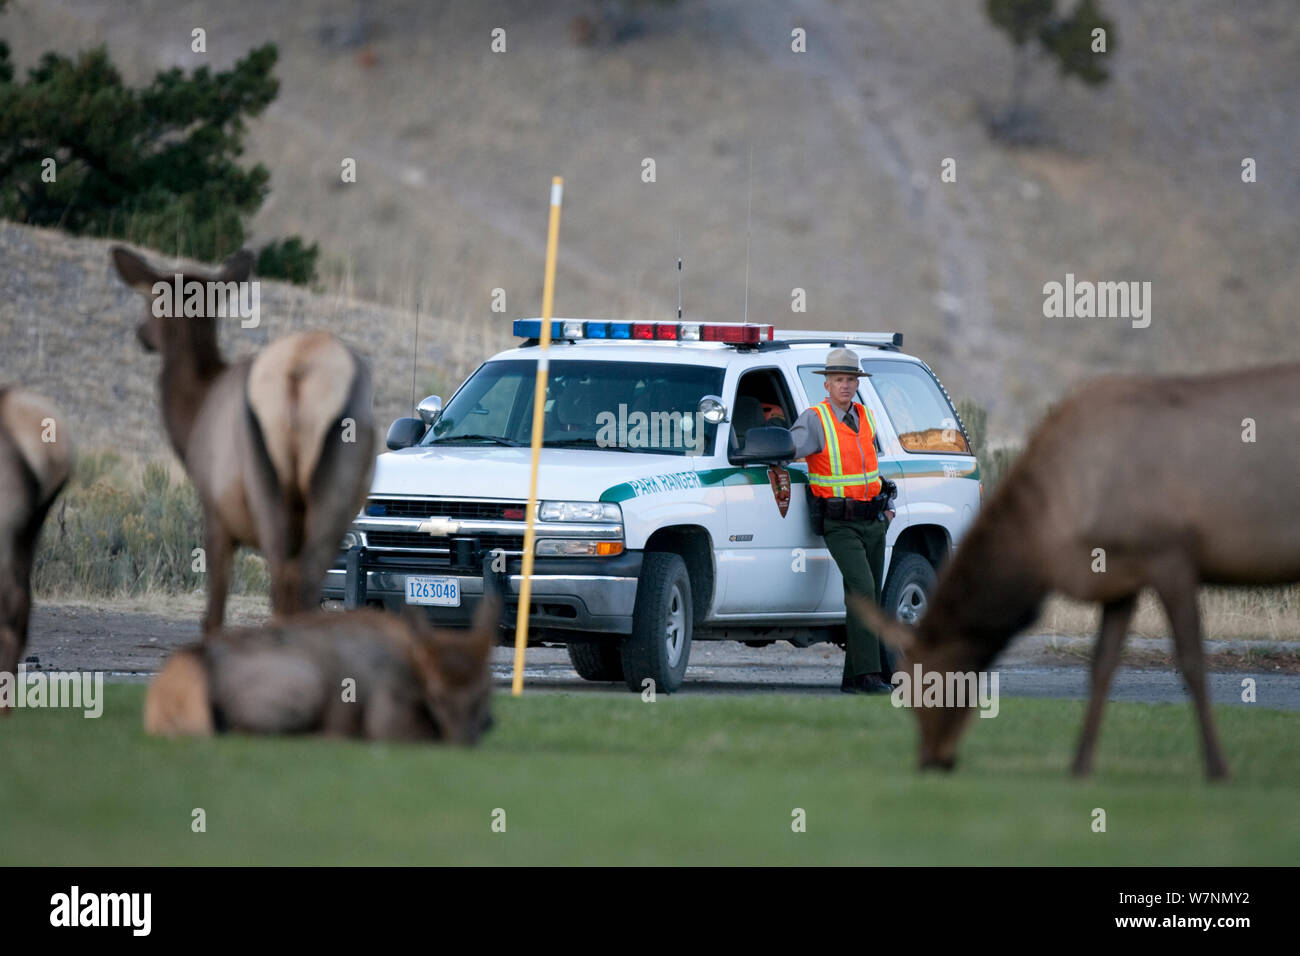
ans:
(835, 508)
(815, 512)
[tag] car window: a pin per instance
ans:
(917, 408)
(767, 387)
(489, 412)
(629, 406)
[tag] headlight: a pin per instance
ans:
(352, 540)
(579, 547)
(579, 511)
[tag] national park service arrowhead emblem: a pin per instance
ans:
(780, 479)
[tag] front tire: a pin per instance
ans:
(597, 660)
(659, 646)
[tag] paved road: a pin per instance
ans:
(730, 668)
(132, 646)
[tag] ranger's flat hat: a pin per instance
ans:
(842, 362)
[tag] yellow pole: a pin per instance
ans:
(539, 412)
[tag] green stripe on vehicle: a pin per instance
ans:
(753, 475)
(892, 468)
(964, 468)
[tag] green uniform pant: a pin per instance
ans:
(858, 548)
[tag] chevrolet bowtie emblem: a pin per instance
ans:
(439, 527)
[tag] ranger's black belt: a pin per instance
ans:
(853, 509)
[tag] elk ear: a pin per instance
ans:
(487, 618)
(460, 658)
(135, 272)
(425, 660)
(416, 620)
(893, 632)
(237, 267)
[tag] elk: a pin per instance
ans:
(1133, 482)
(35, 460)
(280, 445)
(361, 673)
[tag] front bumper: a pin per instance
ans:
(592, 595)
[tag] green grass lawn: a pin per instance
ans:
(698, 780)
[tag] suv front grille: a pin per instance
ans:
(465, 510)
(424, 542)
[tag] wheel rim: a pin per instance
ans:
(675, 627)
(911, 604)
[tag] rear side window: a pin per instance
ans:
(918, 409)
(814, 384)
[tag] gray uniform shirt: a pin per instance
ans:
(807, 429)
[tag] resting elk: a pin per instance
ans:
(280, 446)
(35, 459)
(1131, 483)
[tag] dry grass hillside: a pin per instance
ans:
(455, 147)
(68, 328)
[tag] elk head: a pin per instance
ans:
(453, 667)
(927, 645)
(169, 329)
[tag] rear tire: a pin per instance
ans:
(906, 596)
(907, 592)
(659, 646)
(597, 660)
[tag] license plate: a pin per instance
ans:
(443, 592)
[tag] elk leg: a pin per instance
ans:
(10, 651)
(286, 589)
(220, 553)
(327, 518)
(1115, 618)
(1179, 598)
(338, 489)
(319, 552)
(286, 585)
(15, 606)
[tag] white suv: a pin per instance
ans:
(658, 524)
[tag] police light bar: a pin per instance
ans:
(730, 333)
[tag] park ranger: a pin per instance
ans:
(852, 504)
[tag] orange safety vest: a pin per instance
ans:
(846, 466)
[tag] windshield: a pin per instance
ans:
(619, 406)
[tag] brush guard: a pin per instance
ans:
(467, 556)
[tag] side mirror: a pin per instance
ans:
(713, 410)
(404, 433)
(429, 409)
(765, 445)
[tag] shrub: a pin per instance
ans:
(995, 462)
(289, 260)
(157, 166)
(113, 533)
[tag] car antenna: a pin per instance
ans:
(415, 352)
(679, 273)
(749, 220)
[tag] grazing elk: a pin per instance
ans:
(1131, 483)
(35, 459)
(409, 680)
(280, 446)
